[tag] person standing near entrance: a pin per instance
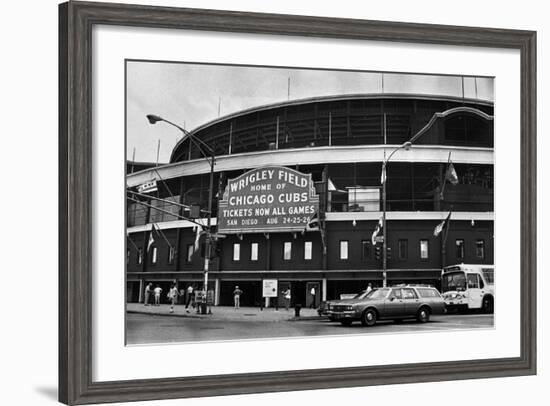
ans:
(312, 292)
(287, 296)
(369, 288)
(237, 297)
(158, 291)
(148, 292)
(173, 296)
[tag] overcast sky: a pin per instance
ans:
(192, 94)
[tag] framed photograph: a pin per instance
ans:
(260, 203)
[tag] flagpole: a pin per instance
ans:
(161, 210)
(133, 243)
(157, 228)
(444, 241)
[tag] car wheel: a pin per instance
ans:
(346, 322)
(368, 318)
(423, 315)
(487, 306)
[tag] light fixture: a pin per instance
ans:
(153, 118)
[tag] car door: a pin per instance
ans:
(394, 306)
(410, 301)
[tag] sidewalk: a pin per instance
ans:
(226, 313)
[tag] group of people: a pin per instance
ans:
(189, 296)
(287, 295)
(172, 295)
(152, 292)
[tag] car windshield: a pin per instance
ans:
(360, 295)
(378, 293)
(453, 281)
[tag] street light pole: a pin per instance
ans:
(384, 243)
(208, 246)
(406, 146)
(211, 160)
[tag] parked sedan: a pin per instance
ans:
(393, 303)
(324, 307)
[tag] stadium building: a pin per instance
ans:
(329, 151)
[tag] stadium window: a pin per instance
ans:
(343, 249)
(236, 252)
(189, 252)
(365, 250)
(480, 249)
(308, 250)
(171, 255)
(254, 251)
(287, 251)
(424, 249)
(154, 255)
(403, 249)
(140, 256)
(460, 249)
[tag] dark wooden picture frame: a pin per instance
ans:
(76, 20)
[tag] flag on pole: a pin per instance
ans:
(450, 174)
(198, 232)
(439, 228)
(376, 231)
(332, 187)
(313, 224)
(151, 238)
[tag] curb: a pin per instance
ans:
(203, 316)
(191, 316)
(306, 318)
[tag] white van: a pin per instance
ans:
(466, 287)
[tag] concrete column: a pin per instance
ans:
(266, 302)
(217, 292)
(141, 292)
(324, 289)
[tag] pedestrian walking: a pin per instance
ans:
(312, 292)
(157, 291)
(148, 293)
(237, 297)
(173, 296)
(189, 297)
(286, 294)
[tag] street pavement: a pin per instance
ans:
(155, 325)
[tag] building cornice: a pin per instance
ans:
(347, 216)
(312, 156)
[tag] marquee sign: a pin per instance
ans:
(269, 199)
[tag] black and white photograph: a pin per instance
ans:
(273, 202)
